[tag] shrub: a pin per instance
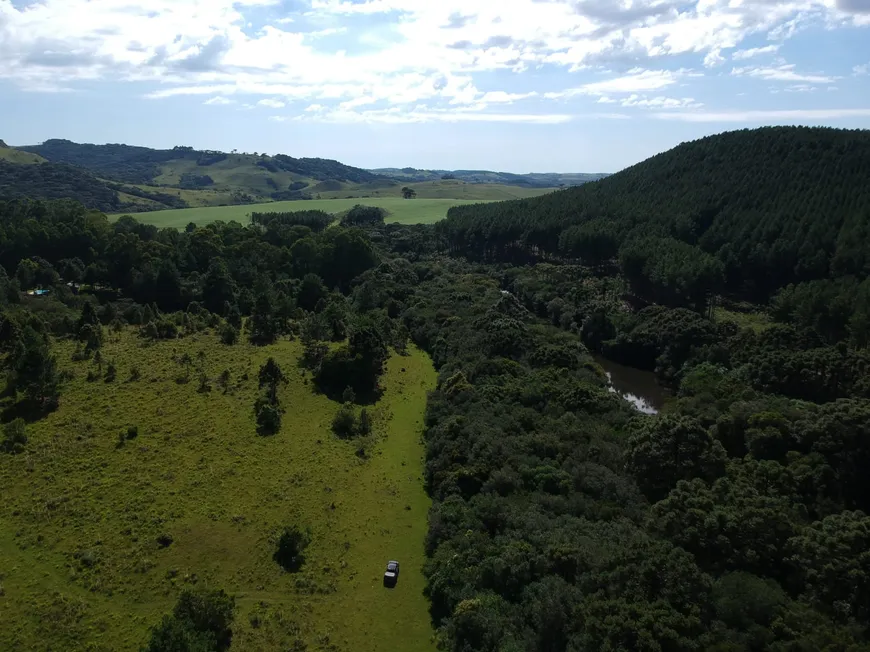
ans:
(200, 622)
(111, 372)
(291, 546)
(365, 424)
(344, 425)
(14, 437)
(268, 418)
(229, 334)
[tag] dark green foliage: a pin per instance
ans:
(344, 424)
(361, 215)
(323, 169)
(268, 417)
(723, 194)
(14, 437)
(664, 450)
(34, 369)
(200, 622)
(56, 181)
(289, 553)
(359, 365)
(831, 560)
(190, 180)
(314, 220)
(229, 334)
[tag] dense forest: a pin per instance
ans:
(735, 519)
(56, 181)
(745, 212)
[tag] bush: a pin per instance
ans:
(291, 546)
(268, 418)
(344, 424)
(200, 622)
(14, 437)
(111, 372)
(229, 334)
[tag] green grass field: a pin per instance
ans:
(404, 211)
(17, 156)
(80, 565)
(442, 189)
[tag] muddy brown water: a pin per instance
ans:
(638, 387)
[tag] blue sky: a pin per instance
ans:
(513, 85)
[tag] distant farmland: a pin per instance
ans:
(405, 211)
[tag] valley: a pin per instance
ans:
(627, 415)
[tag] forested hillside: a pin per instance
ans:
(142, 164)
(56, 181)
(769, 207)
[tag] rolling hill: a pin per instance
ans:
(534, 180)
(772, 206)
(135, 179)
(11, 155)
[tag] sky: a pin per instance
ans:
(508, 85)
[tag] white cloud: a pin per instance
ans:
(714, 58)
(272, 104)
(785, 72)
(635, 82)
(399, 53)
(800, 88)
(661, 102)
(219, 100)
(810, 115)
(742, 55)
(861, 70)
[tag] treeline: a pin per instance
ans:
(315, 220)
(56, 181)
(112, 161)
(170, 269)
(773, 206)
(322, 169)
(736, 520)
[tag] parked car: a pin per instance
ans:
(392, 574)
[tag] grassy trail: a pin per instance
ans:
(80, 563)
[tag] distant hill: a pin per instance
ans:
(17, 156)
(56, 181)
(144, 165)
(536, 180)
(144, 179)
(770, 206)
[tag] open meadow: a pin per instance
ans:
(99, 531)
(404, 211)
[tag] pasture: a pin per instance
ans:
(99, 532)
(404, 211)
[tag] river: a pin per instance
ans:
(638, 387)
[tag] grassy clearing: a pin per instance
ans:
(80, 563)
(754, 319)
(405, 211)
(17, 156)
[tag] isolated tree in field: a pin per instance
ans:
(291, 546)
(200, 622)
(408, 193)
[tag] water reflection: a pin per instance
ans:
(638, 387)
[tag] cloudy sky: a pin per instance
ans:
(517, 85)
